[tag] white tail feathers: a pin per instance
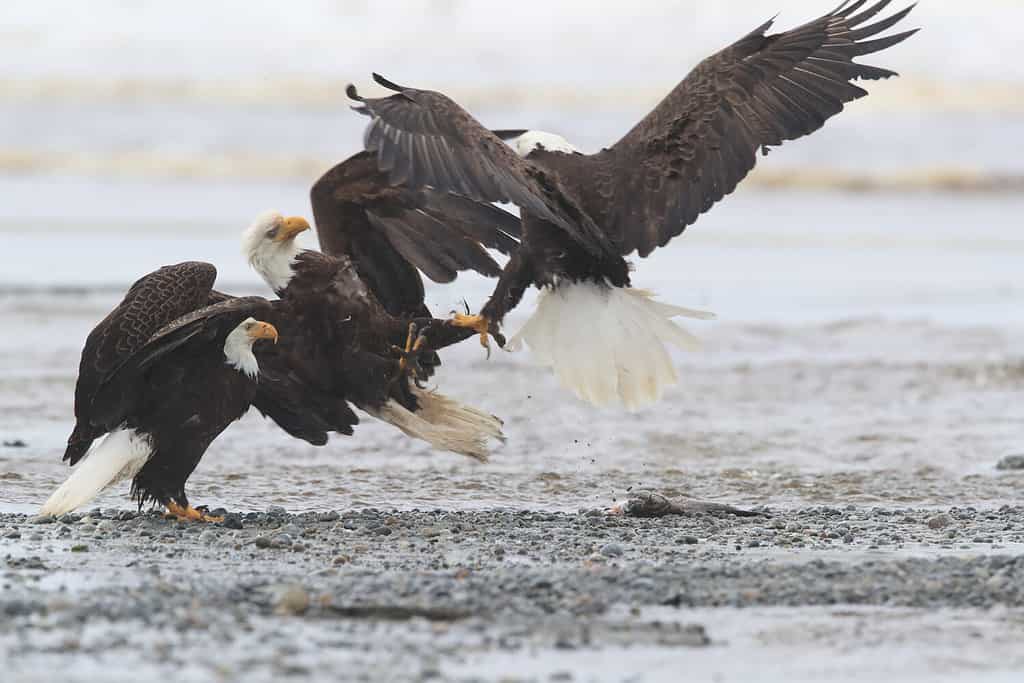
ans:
(606, 343)
(119, 456)
(444, 423)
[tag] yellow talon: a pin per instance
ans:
(477, 323)
(413, 343)
(410, 344)
(189, 514)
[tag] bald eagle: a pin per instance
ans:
(358, 307)
(160, 378)
(582, 214)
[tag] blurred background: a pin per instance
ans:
(134, 134)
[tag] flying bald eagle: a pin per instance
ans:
(161, 377)
(359, 310)
(583, 214)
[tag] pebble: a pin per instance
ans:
(424, 579)
(293, 601)
(232, 521)
(939, 521)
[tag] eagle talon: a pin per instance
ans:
(481, 324)
(409, 357)
(190, 514)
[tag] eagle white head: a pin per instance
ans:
(270, 247)
(538, 139)
(238, 345)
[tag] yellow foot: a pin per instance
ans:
(189, 514)
(413, 344)
(477, 323)
(408, 358)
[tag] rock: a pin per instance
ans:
(282, 541)
(80, 548)
(331, 516)
(263, 542)
(1011, 462)
(939, 521)
(689, 540)
(292, 601)
(208, 536)
(612, 550)
(15, 443)
(42, 519)
(14, 533)
(232, 521)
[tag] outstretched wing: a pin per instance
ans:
(703, 138)
(389, 232)
(152, 302)
(423, 138)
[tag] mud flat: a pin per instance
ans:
(514, 595)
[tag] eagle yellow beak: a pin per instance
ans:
(290, 227)
(262, 330)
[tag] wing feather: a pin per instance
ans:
(150, 303)
(699, 143)
(389, 232)
(422, 138)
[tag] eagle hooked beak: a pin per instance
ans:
(290, 228)
(262, 330)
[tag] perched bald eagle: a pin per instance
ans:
(583, 214)
(359, 310)
(160, 378)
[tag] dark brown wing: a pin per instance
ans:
(294, 390)
(423, 138)
(703, 138)
(122, 388)
(153, 301)
(388, 232)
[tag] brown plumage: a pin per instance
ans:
(164, 374)
(353, 303)
(388, 234)
(582, 214)
(687, 153)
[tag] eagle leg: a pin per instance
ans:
(189, 514)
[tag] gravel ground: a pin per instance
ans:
(412, 595)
